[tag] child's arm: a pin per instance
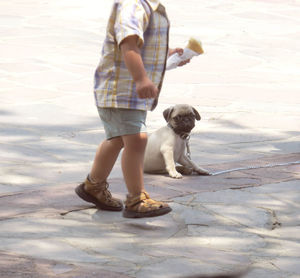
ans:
(132, 57)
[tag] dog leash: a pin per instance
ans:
(255, 167)
(188, 154)
(186, 137)
(187, 145)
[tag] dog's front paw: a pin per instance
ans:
(175, 175)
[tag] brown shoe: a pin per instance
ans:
(142, 206)
(98, 194)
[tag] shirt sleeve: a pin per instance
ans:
(131, 19)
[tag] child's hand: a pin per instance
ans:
(146, 89)
(180, 52)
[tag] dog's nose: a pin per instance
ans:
(188, 122)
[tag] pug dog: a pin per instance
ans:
(167, 145)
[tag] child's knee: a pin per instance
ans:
(142, 141)
(136, 142)
(116, 142)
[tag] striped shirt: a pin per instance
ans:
(114, 86)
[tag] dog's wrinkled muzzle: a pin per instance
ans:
(184, 126)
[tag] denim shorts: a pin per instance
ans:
(118, 122)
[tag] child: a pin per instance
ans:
(127, 84)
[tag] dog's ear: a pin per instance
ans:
(167, 113)
(197, 115)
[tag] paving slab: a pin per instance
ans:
(246, 88)
(25, 267)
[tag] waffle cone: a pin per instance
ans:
(195, 46)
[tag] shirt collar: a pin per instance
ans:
(153, 4)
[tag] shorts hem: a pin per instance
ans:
(123, 133)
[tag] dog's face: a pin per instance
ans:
(181, 117)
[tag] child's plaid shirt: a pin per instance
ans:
(114, 86)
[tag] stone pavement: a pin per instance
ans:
(246, 88)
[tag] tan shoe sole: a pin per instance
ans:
(152, 213)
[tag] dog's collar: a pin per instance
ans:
(182, 135)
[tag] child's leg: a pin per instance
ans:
(95, 188)
(105, 158)
(133, 161)
(138, 203)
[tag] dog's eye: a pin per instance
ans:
(177, 118)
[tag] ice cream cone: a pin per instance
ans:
(195, 45)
